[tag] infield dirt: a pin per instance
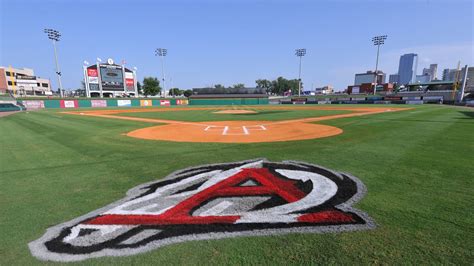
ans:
(236, 131)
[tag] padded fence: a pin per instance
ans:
(231, 101)
(100, 103)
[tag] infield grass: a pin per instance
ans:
(417, 165)
(259, 115)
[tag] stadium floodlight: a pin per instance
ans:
(300, 53)
(99, 60)
(377, 40)
(86, 63)
(54, 36)
(162, 52)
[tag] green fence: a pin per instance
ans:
(86, 103)
(232, 101)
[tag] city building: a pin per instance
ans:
(368, 88)
(369, 77)
(324, 90)
(432, 71)
(407, 68)
(393, 78)
(425, 78)
(22, 81)
(450, 74)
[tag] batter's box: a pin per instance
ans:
(235, 130)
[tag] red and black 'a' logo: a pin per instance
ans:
(213, 201)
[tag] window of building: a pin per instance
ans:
(8, 73)
(37, 84)
(10, 83)
(44, 85)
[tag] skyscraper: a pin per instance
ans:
(407, 68)
(432, 71)
(450, 74)
(393, 78)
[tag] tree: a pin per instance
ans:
(238, 86)
(188, 93)
(278, 86)
(139, 87)
(264, 84)
(219, 86)
(176, 92)
(151, 86)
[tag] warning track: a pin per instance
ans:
(236, 131)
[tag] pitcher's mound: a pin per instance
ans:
(235, 112)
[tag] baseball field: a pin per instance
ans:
(415, 161)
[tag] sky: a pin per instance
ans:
(227, 42)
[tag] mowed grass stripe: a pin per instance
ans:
(417, 167)
(210, 115)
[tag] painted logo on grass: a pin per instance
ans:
(247, 198)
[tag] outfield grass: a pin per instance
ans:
(259, 115)
(417, 165)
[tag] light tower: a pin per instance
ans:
(54, 35)
(161, 52)
(300, 53)
(377, 40)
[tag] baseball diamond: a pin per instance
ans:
(341, 183)
(236, 131)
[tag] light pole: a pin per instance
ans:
(377, 40)
(54, 36)
(161, 52)
(300, 53)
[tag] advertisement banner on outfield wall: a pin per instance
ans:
(165, 103)
(98, 103)
(68, 104)
(33, 104)
(146, 102)
(124, 103)
(181, 102)
(414, 102)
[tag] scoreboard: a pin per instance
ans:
(109, 80)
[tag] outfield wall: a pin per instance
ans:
(103, 103)
(229, 101)
(100, 103)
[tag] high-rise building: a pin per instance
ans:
(425, 78)
(393, 78)
(450, 74)
(369, 77)
(407, 68)
(432, 71)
